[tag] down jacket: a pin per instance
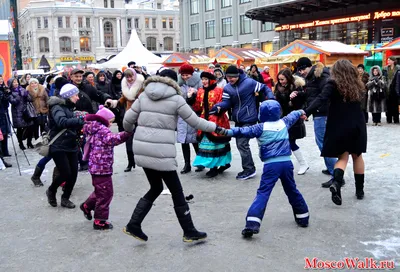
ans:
(315, 82)
(100, 142)
(271, 133)
(156, 113)
(19, 99)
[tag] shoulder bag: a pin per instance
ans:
(44, 150)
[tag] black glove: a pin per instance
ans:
(221, 131)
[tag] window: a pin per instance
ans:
(106, 3)
(67, 22)
(159, 6)
(129, 23)
(244, 1)
(226, 3)
(45, 22)
(39, 22)
(136, 22)
(171, 23)
(65, 44)
(80, 22)
(112, 3)
(153, 23)
(147, 23)
(88, 22)
(177, 47)
(194, 32)
(210, 5)
(108, 35)
(210, 29)
(84, 43)
(168, 44)
(164, 23)
(151, 43)
(267, 26)
(245, 25)
(60, 22)
(44, 45)
(194, 6)
(227, 27)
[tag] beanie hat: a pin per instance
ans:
(232, 71)
(361, 66)
(186, 69)
(208, 74)
(169, 73)
(131, 63)
(60, 81)
(303, 63)
(211, 66)
(266, 67)
(68, 90)
(49, 78)
(105, 113)
(33, 80)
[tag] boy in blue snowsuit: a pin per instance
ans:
(273, 139)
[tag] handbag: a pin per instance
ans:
(29, 113)
(44, 150)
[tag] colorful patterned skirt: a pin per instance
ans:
(212, 154)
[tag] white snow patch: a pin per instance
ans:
(388, 248)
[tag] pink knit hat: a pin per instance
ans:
(105, 113)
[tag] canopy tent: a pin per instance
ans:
(134, 51)
(44, 64)
(196, 60)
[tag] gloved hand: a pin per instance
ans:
(220, 130)
(111, 103)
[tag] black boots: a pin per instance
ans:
(131, 161)
(51, 198)
(66, 203)
(6, 164)
(134, 227)
(221, 169)
(21, 146)
(336, 185)
(212, 173)
(186, 169)
(36, 177)
(190, 233)
(359, 185)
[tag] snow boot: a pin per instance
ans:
(251, 228)
(36, 177)
(221, 169)
(212, 173)
(66, 203)
(190, 233)
(86, 212)
(302, 162)
(134, 227)
(336, 185)
(102, 225)
(51, 198)
(186, 169)
(359, 185)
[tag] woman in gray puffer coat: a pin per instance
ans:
(156, 112)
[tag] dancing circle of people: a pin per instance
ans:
(154, 112)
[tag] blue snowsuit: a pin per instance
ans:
(273, 139)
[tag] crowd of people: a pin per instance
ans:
(194, 108)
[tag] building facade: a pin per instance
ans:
(357, 22)
(73, 32)
(209, 25)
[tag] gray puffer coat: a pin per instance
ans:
(156, 113)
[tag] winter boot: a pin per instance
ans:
(21, 146)
(199, 168)
(359, 185)
(190, 233)
(102, 225)
(212, 173)
(302, 162)
(134, 227)
(6, 164)
(186, 169)
(36, 177)
(336, 185)
(251, 228)
(221, 169)
(131, 162)
(66, 203)
(86, 212)
(301, 219)
(51, 198)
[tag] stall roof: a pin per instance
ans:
(180, 58)
(394, 45)
(319, 47)
(242, 54)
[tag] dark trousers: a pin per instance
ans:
(186, 151)
(293, 145)
(366, 116)
(245, 151)
(4, 145)
(67, 165)
(392, 107)
(100, 199)
(20, 134)
(376, 117)
(170, 179)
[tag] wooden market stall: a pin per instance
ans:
(196, 60)
(391, 49)
(239, 56)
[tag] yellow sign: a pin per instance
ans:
(66, 58)
(87, 58)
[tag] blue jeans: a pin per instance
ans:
(319, 131)
(43, 161)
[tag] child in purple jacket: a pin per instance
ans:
(99, 149)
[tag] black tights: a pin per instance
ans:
(172, 181)
(186, 151)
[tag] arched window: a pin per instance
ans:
(151, 43)
(168, 44)
(44, 44)
(108, 35)
(65, 44)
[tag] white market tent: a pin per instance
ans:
(134, 51)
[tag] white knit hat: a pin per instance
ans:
(68, 90)
(33, 80)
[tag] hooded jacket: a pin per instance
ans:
(102, 86)
(194, 81)
(271, 133)
(256, 75)
(221, 82)
(100, 142)
(376, 86)
(129, 94)
(62, 117)
(19, 99)
(115, 90)
(156, 113)
(242, 98)
(315, 82)
(39, 99)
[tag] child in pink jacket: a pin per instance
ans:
(99, 149)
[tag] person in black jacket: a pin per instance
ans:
(102, 84)
(255, 74)
(4, 118)
(64, 149)
(316, 77)
(115, 91)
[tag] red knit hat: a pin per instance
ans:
(186, 69)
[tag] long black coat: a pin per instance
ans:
(87, 95)
(315, 82)
(346, 130)
(4, 104)
(18, 99)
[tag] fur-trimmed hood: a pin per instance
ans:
(372, 68)
(299, 81)
(194, 81)
(157, 87)
(54, 100)
(94, 123)
(132, 92)
(317, 70)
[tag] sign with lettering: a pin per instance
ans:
(66, 58)
(87, 58)
(387, 32)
